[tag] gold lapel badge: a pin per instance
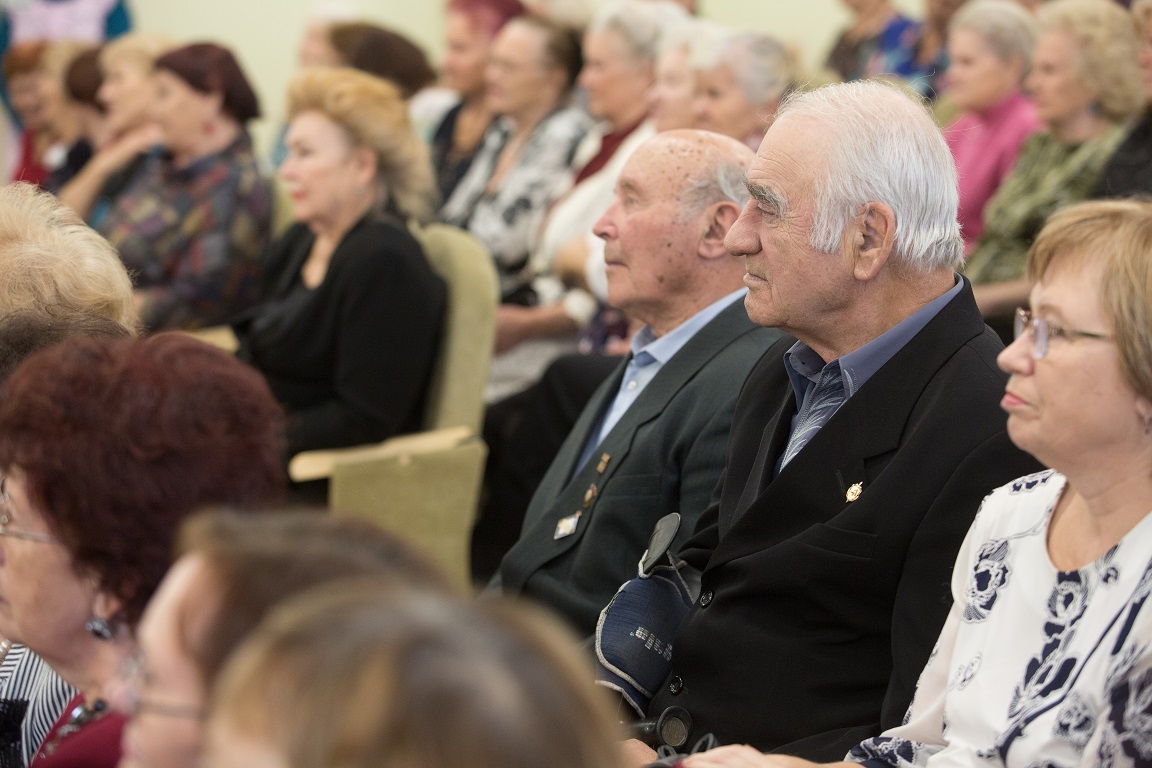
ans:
(854, 492)
(603, 465)
(590, 495)
(566, 526)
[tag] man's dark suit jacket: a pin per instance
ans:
(817, 612)
(664, 455)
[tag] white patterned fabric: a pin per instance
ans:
(506, 219)
(1034, 667)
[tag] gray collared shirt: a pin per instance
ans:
(805, 367)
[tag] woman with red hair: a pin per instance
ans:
(105, 447)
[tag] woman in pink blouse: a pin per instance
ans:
(990, 45)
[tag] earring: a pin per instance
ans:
(99, 629)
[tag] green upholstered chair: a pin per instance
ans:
(425, 486)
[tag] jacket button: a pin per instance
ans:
(675, 685)
(705, 598)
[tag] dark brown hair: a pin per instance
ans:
(561, 46)
(24, 333)
(384, 53)
(83, 77)
(211, 68)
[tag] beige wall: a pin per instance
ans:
(264, 33)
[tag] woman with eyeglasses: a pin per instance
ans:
(1045, 657)
(106, 445)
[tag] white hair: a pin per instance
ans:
(680, 34)
(1004, 26)
(883, 147)
(719, 179)
(764, 68)
(641, 24)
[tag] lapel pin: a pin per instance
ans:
(854, 492)
(590, 495)
(566, 526)
(603, 465)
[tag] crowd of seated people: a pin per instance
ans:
(802, 383)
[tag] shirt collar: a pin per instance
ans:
(803, 365)
(663, 348)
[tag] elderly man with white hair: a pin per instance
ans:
(860, 450)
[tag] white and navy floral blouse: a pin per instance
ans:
(506, 219)
(1035, 667)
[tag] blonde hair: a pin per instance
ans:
(373, 114)
(362, 676)
(1106, 38)
(1141, 13)
(1118, 235)
(136, 49)
(51, 260)
(59, 54)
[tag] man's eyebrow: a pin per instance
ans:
(766, 197)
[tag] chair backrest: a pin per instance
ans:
(456, 392)
(282, 217)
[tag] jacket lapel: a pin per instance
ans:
(564, 499)
(870, 424)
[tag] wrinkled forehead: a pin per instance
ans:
(794, 152)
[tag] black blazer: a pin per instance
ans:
(665, 454)
(817, 612)
(350, 359)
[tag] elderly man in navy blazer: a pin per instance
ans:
(859, 453)
(651, 440)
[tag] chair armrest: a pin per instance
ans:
(220, 336)
(313, 465)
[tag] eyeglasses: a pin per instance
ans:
(135, 678)
(6, 528)
(1043, 331)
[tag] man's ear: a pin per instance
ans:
(718, 218)
(872, 240)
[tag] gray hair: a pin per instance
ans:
(640, 24)
(1004, 25)
(720, 179)
(882, 147)
(765, 68)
